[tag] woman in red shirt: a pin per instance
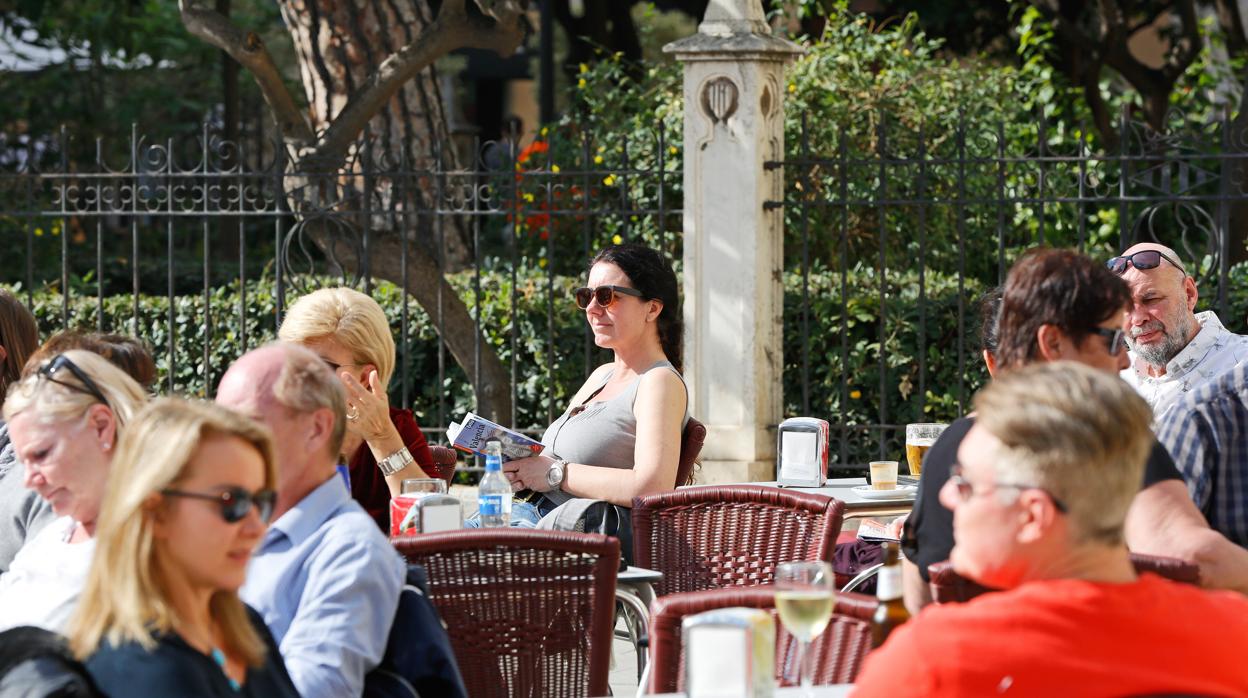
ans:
(383, 445)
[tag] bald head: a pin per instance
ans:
(1162, 320)
(289, 389)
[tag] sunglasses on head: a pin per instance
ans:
(1144, 259)
(605, 295)
(235, 502)
(1115, 338)
(51, 367)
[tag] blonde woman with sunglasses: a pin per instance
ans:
(64, 420)
(620, 436)
(188, 501)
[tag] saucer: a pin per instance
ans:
(902, 492)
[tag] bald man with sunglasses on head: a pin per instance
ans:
(1174, 349)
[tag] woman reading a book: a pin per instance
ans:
(620, 436)
(383, 445)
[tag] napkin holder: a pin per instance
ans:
(429, 513)
(802, 452)
(729, 653)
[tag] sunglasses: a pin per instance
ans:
(1144, 259)
(966, 490)
(235, 502)
(1115, 338)
(605, 295)
(50, 368)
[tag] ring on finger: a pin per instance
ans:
(353, 413)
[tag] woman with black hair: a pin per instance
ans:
(620, 437)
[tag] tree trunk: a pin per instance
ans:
(339, 45)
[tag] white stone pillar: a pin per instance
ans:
(733, 296)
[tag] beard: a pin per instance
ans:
(1158, 354)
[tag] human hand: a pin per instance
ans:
(895, 526)
(368, 409)
(528, 473)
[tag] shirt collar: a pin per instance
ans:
(303, 519)
(1211, 335)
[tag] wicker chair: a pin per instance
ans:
(950, 587)
(691, 441)
(529, 612)
(730, 535)
(837, 654)
(444, 461)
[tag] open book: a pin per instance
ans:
(475, 431)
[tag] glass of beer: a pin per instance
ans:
(919, 438)
(804, 601)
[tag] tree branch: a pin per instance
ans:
(500, 27)
(1188, 46)
(249, 50)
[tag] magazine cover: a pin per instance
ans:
(475, 431)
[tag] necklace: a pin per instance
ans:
(219, 657)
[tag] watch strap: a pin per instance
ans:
(395, 462)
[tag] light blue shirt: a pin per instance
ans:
(327, 583)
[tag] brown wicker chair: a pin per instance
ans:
(691, 441)
(444, 461)
(950, 587)
(730, 535)
(837, 654)
(529, 612)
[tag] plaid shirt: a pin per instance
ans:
(1207, 434)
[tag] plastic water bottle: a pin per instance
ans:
(494, 492)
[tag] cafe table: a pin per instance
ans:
(858, 505)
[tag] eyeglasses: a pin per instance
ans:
(235, 501)
(1144, 259)
(605, 295)
(966, 490)
(49, 369)
(1115, 338)
(335, 366)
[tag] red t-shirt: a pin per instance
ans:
(1069, 638)
(368, 485)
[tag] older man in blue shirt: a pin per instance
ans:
(325, 579)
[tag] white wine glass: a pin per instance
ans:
(805, 593)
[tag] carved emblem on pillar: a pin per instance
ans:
(719, 99)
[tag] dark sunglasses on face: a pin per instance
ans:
(50, 368)
(1114, 338)
(235, 501)
(605, 295)
(1144, 259)
(966, 490)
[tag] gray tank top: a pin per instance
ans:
(604, 433)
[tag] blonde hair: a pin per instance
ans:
(1080, 433)
(355, 320)
(19, 335)
(125, 594)
(305, 384)
(57, 401)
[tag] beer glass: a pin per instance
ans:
(423, 485)
(919, 438)
(804, 600)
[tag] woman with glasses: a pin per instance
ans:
(189, 498)
(383, 445)
(620, 436)
(64, 419)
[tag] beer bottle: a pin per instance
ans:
(891, 611)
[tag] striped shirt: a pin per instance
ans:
(1207, 434)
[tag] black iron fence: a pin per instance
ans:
(893, 233)
(183, 245)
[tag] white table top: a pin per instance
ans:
(843, 489)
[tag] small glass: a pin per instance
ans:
(423, 485)
(883, 474)
(805, 595)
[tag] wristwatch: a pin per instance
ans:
(557, 472)
(395, 462)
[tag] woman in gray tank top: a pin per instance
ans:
(620, 436)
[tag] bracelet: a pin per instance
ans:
(395, 462)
